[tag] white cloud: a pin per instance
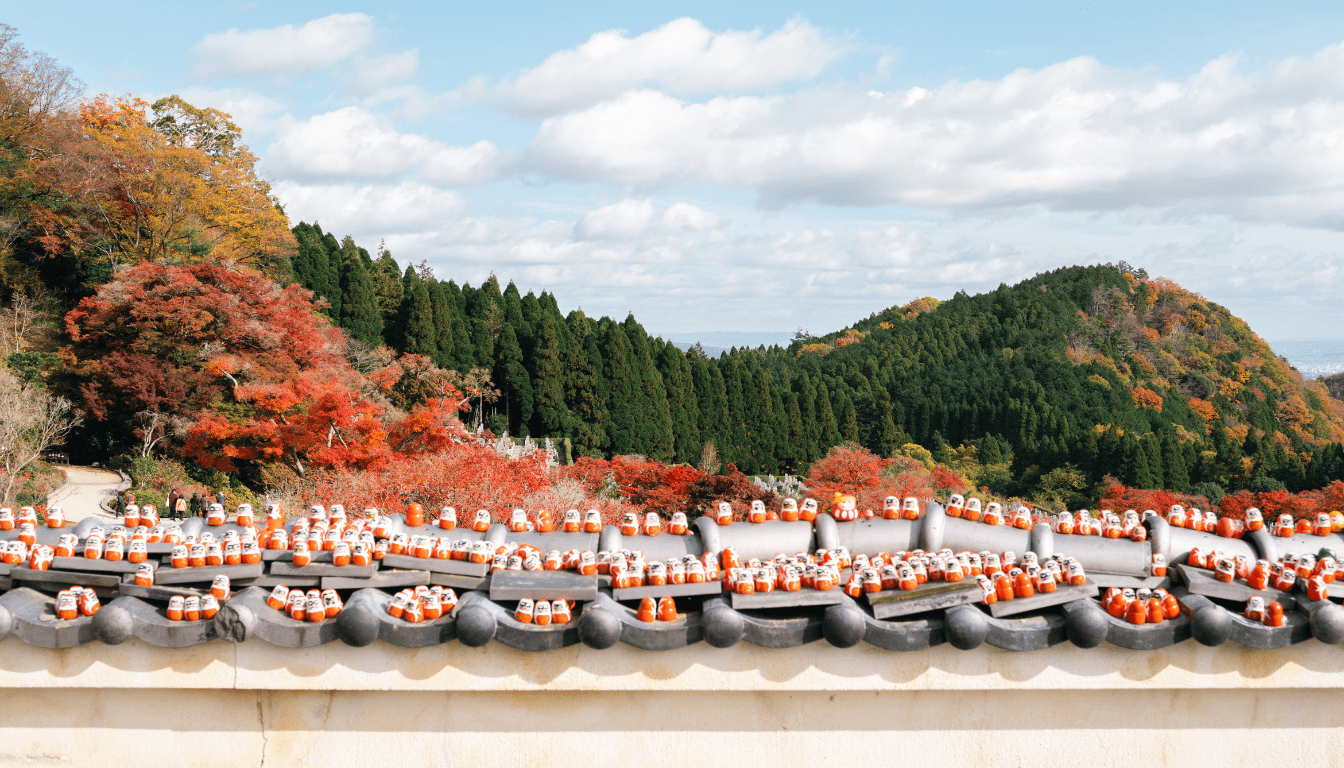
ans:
(372, 210)
(285, 49)
(681, 56)
(757, 271)
(1073, 136)
(355, 144)
(632, 218)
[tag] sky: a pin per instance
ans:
(755, 168)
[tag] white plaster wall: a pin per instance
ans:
(335, 706)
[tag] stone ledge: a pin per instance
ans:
(380, 666)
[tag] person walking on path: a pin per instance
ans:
(179, 509)
(172, 502)
(197, 509)
(219, 497)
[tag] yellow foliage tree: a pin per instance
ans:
(179, 187)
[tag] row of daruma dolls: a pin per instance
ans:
(1141, 606)
(76, 601)
(314, 605)
(1282, 574)
(26, 518)
(1320, 524)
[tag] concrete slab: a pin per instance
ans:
(548, 585)
(207, 573)
(97, 566)
(669, 590)
(434, 565)
(459, 582)
(161, 594)
(929, 596)
(281, 568)
(1108, 580)
(271, 582)
(379, 580)
(781, 599)
(1061, 595)
(1201, 582)
(65, 578)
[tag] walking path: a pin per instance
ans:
(85, 488)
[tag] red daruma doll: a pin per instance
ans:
(524, 612)
(544, 522)
(144, 575)
(678, 525)
(592, 521)
(65, 546)
(955, 506)
(448, 519)
(415, 515)
(667, 609)
(723, 513)
(482, 522)
(809, 510)
(972, 510)
(220, 587)
(7, 518)
(1285, 528)
(891, 508)
(629, 524)
(910, 509)
(572, 522)
(56, 518)
(314, 610)
(648, 610)
(518, 521)
(757, 512)
(560, 612)
(67, 605)
(176, 605)
(789, 511)
(1254, 520)
(653, 525)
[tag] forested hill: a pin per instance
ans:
(1070, 376)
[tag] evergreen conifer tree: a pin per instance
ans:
(826, 426)
(513, 382)
(550, 415)
(445, 357)
(359, 309)
(622, 380)
(682, 403)
(655, 427)
(416, 319)
(849, 420)
(585, 396)
(386, 277)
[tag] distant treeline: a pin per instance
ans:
(1070, 376)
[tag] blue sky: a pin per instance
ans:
(758, 167)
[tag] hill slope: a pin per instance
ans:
(1071, 375)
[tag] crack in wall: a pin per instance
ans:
(261, 723)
